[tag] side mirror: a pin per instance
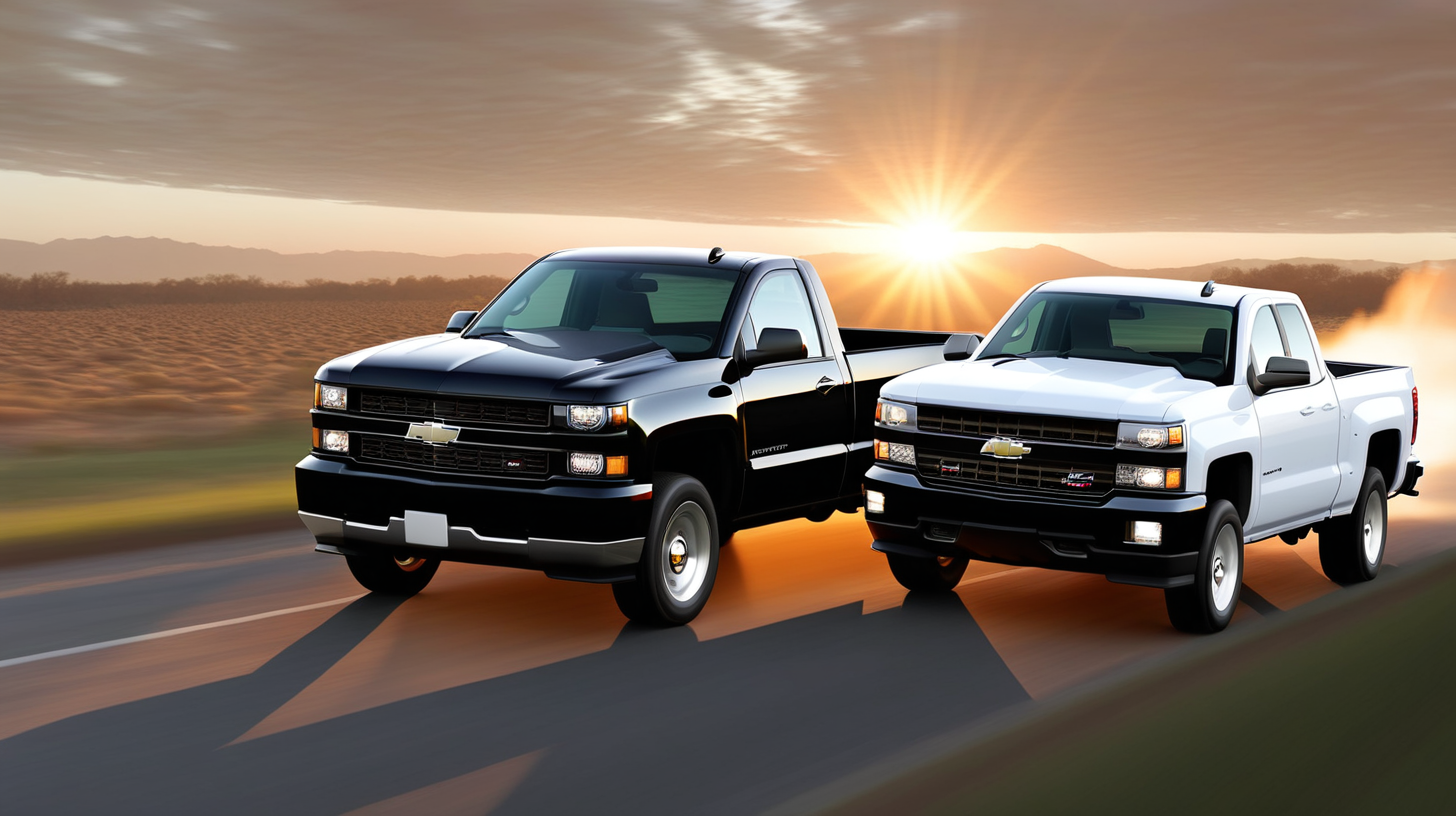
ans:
(776, 346)
(961, 346)
(459, 321)
(1283, 372)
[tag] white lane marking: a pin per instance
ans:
(92, 647)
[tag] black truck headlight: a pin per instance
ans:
(333, 397)
(595, 464)
(595, 417)
(892, 414)
(1151, 478)
(331, 441)
(1138, 436)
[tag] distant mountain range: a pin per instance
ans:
(111, 260)
(136, 260)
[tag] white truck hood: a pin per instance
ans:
(1094, 389)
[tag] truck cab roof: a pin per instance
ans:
(1223, 294)
(684, 256)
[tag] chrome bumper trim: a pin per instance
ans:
(547, 554)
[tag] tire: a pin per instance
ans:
(1207, 605)
(682, 515)
(388, 575)
(939, 574)
(1352, 546)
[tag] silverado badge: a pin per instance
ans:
(1078, 479)
(432, 433)
(1003, 448)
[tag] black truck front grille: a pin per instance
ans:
(1062, 477)
(466, 409)
(987, 424)
(453, 458)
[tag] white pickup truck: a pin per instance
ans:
(1144, 430)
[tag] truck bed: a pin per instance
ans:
(1351, 369)
(876, 339)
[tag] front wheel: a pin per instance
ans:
(1207, 605)
(1352, 547)
(938, 574)
(679, 556)
(391, 575)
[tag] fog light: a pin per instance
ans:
(874, 501)
(336, 441)
(1146, 532)
(586, 464)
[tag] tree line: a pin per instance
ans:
(56, 290)
(1326, 289)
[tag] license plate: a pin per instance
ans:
(426, 529)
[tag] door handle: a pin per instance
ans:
(825, 385)
(1329, 406)
(1307, 410)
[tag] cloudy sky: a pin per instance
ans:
(1044, 117)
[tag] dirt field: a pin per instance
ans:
(135, 375)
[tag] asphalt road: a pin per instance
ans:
(250, 675)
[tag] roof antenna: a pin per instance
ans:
(1207, 290)
(715, 254)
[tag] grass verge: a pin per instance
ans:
(1345, 706)
(57, 504)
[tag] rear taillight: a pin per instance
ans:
(1415, 413)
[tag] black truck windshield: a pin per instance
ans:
(680, 308)
(1191, 337)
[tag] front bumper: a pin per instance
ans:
(1023, 531)
(583, 533)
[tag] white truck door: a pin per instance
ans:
(1299, 429)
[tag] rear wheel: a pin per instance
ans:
(679, 557)
(1207, 605)
(1352, 547)
(391, 575)
(938, 574)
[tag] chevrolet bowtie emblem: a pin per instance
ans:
(432, 433)
(1003, 448)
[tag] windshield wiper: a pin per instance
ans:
(998, 356)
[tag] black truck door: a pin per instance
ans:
(796, 415)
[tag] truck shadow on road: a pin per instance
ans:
(658, 722)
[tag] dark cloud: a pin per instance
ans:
(1050, 115)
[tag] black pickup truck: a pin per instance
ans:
(611, 416)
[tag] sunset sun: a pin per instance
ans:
(927, 241)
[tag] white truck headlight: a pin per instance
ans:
(333, 397)
(1150, 478)
(895, 452)
(1138, 437)
(595, 417)
(895, 415)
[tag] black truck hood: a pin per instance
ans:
(528, 366)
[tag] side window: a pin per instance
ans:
(1023, 334)
(1266, 342)
(1300, 346)
(781, 303)
(543, 308)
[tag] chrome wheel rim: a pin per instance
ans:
(1224, 571)
(1374, 532)
(686, 545)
